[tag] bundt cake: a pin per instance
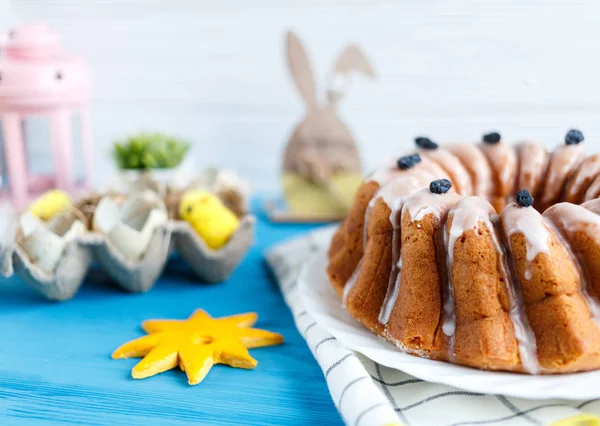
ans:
(425, 261)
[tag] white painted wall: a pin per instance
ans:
(213, 70)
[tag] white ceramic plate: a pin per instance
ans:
(322, 303)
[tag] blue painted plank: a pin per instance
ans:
(55, 365)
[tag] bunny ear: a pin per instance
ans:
(352, 58)
(300, 69)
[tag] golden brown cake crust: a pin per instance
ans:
(532, 160)
(365, 298)
(561, 165)
(503, 163)
(561, 321)
(484, 332)
(348, 242)
(579, 183)
(511, 307)
(415, 321)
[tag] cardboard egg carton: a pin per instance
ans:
(131, 239)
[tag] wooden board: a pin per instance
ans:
(55, 365)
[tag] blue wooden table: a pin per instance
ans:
(55, 365)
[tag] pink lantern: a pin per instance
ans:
(40, 81)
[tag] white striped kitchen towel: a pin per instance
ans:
(366, 393)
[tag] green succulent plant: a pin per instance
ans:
(150, 151)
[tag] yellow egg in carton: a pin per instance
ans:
(130, 230)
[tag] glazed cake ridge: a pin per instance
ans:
(394, 262)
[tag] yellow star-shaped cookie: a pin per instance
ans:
(196, 344)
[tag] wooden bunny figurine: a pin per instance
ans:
(321, 167)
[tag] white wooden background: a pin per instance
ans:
(213, 71)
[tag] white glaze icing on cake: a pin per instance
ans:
(532, 163)
(523, 332)
(563, 162)
(455, 170)
(393, 192)
(417, 206)
(351, 282)
(464, 216)
(384, 173)
(531, 224)
(593, 191)
(581, 180)
(424, 202)
(503, 161)
(575, 179)
(568, 218)
(469, 214)
(394, 196)
(592, 205)
(477, 166)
